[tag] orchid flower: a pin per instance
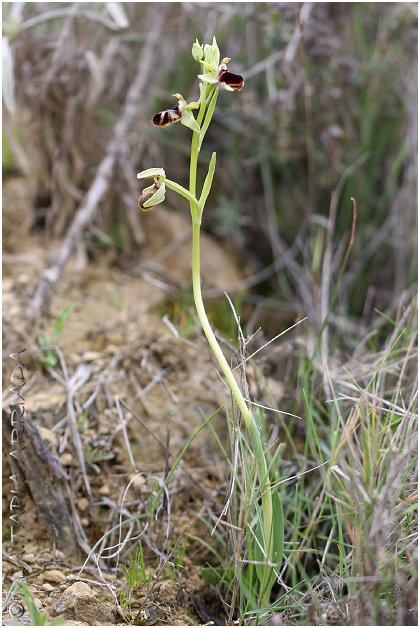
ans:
(155, 193)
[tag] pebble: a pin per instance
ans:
(104, 490)
(83, 504)
(54, 575)
(80, 603)
(91, 356)
(28, 558)
(137, 480)
(66, 459)
(48, 587)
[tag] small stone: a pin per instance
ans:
(104, 490)
(28, 558)
(54, 576)
(83, 504)
(85, 522)
(91, 356)
(80, 603)
(66, 459)
(23, 278)
(48, 587)
(137, 480)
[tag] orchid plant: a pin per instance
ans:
(269, 522)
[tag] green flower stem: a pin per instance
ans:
(256, 442)
(172, 185)
(250, 423)
(194, 157)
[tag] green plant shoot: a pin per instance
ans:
(269, 536)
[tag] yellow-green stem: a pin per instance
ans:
(256, 442)
(250, 423)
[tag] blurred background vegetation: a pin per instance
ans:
(328, 112)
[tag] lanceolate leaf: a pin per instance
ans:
(266, 574)
(207, 119)
(206, 187)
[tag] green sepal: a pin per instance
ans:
(212, 77)
(212, 53)
(194, 105)
(187, 119)
(209, 66)
(157, 198)
(150, 173)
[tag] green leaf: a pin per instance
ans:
(10, 595)
(61, 320)
(31, 606)
(43, 339)
(51, 359)
(215, 575)
(206, 188)
(212, 575)
(278, 530)
(58, 621)
(266, 575)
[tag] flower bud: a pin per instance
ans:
(212, 53)
(197, 51)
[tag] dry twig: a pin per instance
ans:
(105, 171)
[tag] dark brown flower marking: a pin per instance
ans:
(235, 81)
(169, 116)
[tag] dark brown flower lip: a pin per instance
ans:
(147, 196)
(235, 81)
(167, 117)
